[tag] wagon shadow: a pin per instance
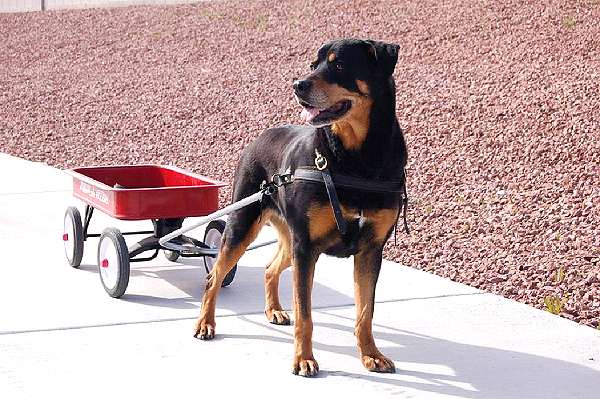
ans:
(244, 295)
(466, 371)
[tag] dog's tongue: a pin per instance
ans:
(308, 114)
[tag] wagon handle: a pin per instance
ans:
(215, 215)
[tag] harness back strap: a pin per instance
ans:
(345, 181)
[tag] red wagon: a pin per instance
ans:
(163, 194)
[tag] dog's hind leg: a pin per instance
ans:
(242, 228)
(367, 264)
(282, 260)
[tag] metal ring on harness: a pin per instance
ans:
(277, 180)
(320, 160)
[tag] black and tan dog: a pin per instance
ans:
(348, 100)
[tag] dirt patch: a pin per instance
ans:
(499, 101)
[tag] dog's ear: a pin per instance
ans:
(385, 56)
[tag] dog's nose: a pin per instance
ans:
(302, 86)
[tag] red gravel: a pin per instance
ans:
(499, 101)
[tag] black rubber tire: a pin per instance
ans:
(219, 225)
(120, 245)
(75, 258)
(171, 255)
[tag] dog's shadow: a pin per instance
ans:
(466, 371)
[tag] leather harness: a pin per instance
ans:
(320, 174)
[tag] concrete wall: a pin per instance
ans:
(20, 5)
(38, 5)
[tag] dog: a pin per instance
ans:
(348, 102)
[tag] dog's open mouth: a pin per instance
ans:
(315, 115)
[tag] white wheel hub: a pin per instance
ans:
(213, 240)
(108, 262)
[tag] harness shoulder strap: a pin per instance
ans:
(321, 164)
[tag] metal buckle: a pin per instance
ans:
(280, 180)
(268, 189)
(320, 160)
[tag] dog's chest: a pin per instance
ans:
(364, 228)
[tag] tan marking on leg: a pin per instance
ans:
(227, 258)
(365, 279)
(282, 260)
(304, 361)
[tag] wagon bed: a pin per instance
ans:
(140, 192)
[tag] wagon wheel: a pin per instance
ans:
(113, 262)
(212, 238)
(73, 236)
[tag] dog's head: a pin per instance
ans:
(339, 85)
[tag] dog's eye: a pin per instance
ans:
(338, 66)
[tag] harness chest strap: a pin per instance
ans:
(322, 175)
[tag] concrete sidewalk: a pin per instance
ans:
(62, 336)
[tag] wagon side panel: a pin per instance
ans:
(95, 196)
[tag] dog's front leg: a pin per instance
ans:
(304, 269)
(367, 264)
(242, 228)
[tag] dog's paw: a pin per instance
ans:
(205, 330)
(305, 367)
(278, 317)
(378, 363)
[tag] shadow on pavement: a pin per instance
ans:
(244, 295)
(476, 372)
(436, 365)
